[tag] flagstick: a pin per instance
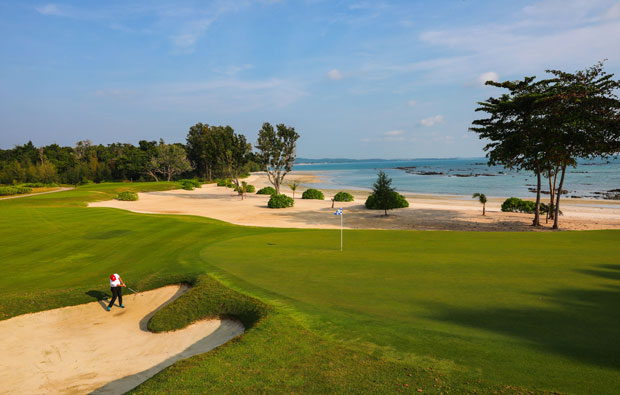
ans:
(341, 215)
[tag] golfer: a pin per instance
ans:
(116, 282)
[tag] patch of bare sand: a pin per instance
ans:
(426, 212)
(81, 349)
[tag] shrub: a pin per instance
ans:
(266, 191)
(224, 182)
(343, 197)
(7, 191)
(398, 201)
(312, 194)
(280, 201)
(127, 195)
(250, 189)
(33, 185)
(188, 186)
(193, 182)
(516, 205)
(511, 205)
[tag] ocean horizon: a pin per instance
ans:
(591, 179)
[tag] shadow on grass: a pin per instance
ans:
(99, 296)
(582, 325)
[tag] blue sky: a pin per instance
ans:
(360, 79)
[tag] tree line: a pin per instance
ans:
(210, 152)
(545, 125)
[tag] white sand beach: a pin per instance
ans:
(426, 212)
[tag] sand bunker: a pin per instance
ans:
(84, 348)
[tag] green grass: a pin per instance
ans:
(459, 311)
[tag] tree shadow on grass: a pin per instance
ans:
(582, 324)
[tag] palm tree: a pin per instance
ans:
(293, 185)
(482, 198)
(242, 189)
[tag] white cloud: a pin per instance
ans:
(488, 76)
(412, 103)
(613, 12)
(437, 119)
(394, 133)
(334, 74)
(186, 40)
(49, 9)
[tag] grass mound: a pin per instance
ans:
(208, 299)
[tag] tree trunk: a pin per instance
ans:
(484, 212)
(153, 175)
(551, 194)
(557, 198)
(536, 221)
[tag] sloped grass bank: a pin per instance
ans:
(208, 299)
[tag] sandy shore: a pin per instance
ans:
(426, 212)
(81, 349)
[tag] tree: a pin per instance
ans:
(277, 151)
(201, 151)
(242, 189)
(293, 185)
(518, 138)
(169, 160)
(232, 150)
(585, 113)
(482, 198)
(384, 193)
(546, 126)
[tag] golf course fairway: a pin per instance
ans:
(441, 312)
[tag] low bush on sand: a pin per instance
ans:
(127, 195)
(343, 197)
(224, 182)
(8, 191)
(266, 191)
(397, 201)
(516, 205)
(312, 194)
(280, 201)
(193, 182)
(250, 189)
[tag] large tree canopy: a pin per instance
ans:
(277, 151)
(546, 126)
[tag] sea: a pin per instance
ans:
(591, 179)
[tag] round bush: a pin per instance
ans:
(397, 200)
(312, 194)
(511, 205)
(266, 191)
(343, 197)
(188, 186)
(127, 195)
(280, 201)
(250, 189)
(193, 182)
